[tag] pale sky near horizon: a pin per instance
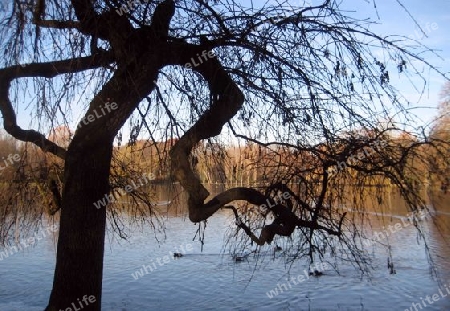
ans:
(433, 16)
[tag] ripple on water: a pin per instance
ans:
(208, 281)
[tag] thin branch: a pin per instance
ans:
(57, 24)
(48, 70)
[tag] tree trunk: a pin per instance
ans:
(79, 264)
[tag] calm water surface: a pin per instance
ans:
(211, 280)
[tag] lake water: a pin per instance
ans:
(212, 280)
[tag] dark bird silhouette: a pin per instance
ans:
(239, 258)
(315, 273)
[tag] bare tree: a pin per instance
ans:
(441, 126)
(440, 133)
(300, 82)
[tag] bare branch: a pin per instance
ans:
(47, 70)
(57, 24)
(227, 100)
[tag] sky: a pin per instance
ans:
(433, 16)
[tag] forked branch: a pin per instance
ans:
(227, 101)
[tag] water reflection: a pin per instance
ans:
(210, 280)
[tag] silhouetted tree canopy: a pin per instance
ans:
(309, 85)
